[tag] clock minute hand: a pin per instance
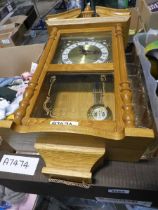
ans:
(85, 52)
(92, 52)
(82, 50)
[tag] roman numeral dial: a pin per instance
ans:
(85, 52)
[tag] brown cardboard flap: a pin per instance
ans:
(15, 60)
(16, 19)
(7, 28)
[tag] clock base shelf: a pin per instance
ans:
(70, 159)
(71, 175)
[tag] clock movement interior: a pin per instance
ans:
(76, 97)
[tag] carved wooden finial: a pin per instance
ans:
(53, 33)
(88, 12)
(119, 30)
(88, 8)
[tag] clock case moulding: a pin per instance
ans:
(73, 152)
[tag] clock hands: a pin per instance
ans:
(86, 51)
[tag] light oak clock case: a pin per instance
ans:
(71, 134)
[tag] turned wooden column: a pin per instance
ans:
(29, 92)
(125, 89)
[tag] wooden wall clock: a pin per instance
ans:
(80, 101)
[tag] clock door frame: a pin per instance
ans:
(124, 116)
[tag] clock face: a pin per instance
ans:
(85, 52)
(89, 48)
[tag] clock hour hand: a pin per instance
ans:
(82, 50)
(85, 52)
(92, 52)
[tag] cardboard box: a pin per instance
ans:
(148, 18)
(19, 59)
(29, 11)
(17, 20)
(6, 32)
(135, 23)
(7, 28)
(14, 61)
(6, 40)
(6, 9)
(12, 32)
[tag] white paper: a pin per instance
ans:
(9, 7)
(68, 123)
(33, 67)
(5, 41)
(120, 191)
(19, 164)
